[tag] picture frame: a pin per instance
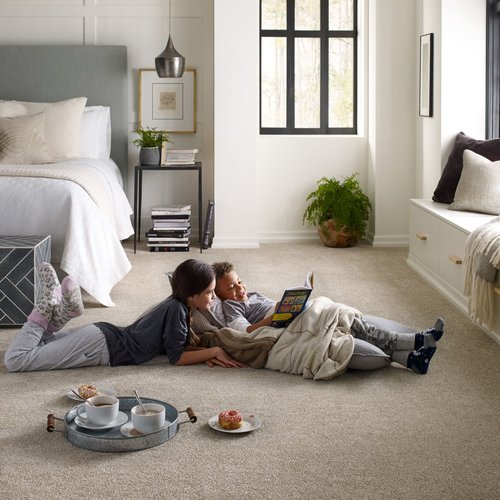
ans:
(426, 74)
(167, 104)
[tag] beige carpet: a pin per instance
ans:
(364, 435)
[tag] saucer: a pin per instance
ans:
(101, 391)
(119, 420)
(250, 423)
(128, 430)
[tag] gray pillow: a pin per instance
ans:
(478, 189)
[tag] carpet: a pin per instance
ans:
(376, 435)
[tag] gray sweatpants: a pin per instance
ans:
(375, 347)
(32, 349)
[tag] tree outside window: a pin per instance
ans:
(308, 54)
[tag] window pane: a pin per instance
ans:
(273, 82)
(307, 14)
(273, 14)
(307, 83)
(340, 15)
(340, 82)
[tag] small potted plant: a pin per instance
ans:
(150, 142)
(340, 210)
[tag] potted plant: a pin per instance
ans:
(339, 209)
(150, 142)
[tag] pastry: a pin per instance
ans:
(87, 391)
(230, 419)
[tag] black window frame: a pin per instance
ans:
(492, 69)
(324, 35)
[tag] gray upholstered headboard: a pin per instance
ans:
(54, 73)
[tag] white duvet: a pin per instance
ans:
(86, 241)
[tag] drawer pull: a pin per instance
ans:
(455, 259)
(421, 236)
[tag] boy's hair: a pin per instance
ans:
(190, 278)
(222, 268)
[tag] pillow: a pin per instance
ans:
(95, 136)
(62, 125)
(478, 189)
(22, 140)
(445, 190)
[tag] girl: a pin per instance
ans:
(164, 329)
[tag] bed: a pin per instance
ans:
(64, 157)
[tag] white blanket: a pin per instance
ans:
(482, 263)
(86, 237)
(317, 344)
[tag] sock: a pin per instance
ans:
(418, 361)
(70, 305)
(429, 337)
(50, 293)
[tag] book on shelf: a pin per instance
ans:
(207, 229)
(179, 226)
(169, 244)
(178, 156)
(168, 249)
(174, 217)
(168, 240)
(293, 302)
(167, 233)
(170, 209)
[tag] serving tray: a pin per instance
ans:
(112, 440)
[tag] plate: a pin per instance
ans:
(101, 391)
(119, 420)
(250, 423)
(128, 430)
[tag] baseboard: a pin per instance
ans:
(235, 243)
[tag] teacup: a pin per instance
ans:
(100, 410)
(152, 421)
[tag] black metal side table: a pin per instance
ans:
(138, 194)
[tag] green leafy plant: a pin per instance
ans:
(150, 138)
(344, 202)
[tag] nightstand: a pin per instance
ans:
(138, 194)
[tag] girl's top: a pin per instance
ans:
(164, 329)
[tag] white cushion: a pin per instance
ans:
(478, 189)
(62, 127)
(22, 139)
(95, 136)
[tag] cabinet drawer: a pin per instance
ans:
(424, 237)
(452, 255)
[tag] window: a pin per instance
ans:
(493, 69)
(308, 66)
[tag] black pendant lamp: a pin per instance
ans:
(170, 64)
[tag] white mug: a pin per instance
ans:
(102, 411)
(152, 421)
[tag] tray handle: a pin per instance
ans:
(51, 425)
(191, 415)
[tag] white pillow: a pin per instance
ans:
(62, 126)
(95, 137)
(22, 140)
(478, 189)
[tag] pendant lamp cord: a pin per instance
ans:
(169, 16)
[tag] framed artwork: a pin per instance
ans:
(426, 74)
(167, 104)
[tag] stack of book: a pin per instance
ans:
(179, 156)
(171, 228)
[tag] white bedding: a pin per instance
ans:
(86, 242)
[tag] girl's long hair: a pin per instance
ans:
(190, 278)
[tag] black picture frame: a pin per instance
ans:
(425, 103)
